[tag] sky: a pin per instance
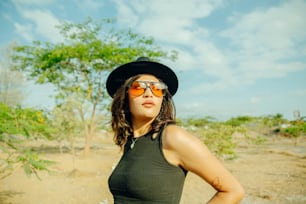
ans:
(235, 57)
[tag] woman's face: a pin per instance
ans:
(147, 105)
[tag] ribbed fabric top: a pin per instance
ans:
(143, 175)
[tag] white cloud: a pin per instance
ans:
(273, 28)
(269, 42)
(254, 69)
(212, 59)
(36, 20)
(24, 31)
(266, 44)
(167, 21)
(211, 87)
(45, 23)
(126, 15)
(41, 22)
(185, 61)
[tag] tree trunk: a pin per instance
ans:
(87, 144)
(90, 129)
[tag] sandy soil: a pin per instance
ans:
(273, 172)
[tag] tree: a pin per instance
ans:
(66, 122)
(81, 62)
(11, 82)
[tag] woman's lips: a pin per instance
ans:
(148, 104)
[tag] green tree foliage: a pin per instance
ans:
(80, 63)
(17, 125)
(199, 122)
(27, 122)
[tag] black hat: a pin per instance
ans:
(141, 66)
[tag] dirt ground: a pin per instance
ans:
(273, 172)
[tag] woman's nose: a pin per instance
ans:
(147, 92)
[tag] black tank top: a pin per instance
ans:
(144, 176)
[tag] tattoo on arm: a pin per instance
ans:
(216, 183)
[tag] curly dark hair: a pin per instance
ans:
(121, 120)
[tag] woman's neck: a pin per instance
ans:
(141, 127)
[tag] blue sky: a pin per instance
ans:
(236, 57)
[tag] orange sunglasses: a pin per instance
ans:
(137, 88)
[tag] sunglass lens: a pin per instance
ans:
(157, 89)
(137, 89)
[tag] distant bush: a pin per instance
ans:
(274, 120)
(219, 139)
(218, 136)
(198, 122)
(238, 121)
(296, 129)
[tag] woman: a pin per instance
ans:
(157, 154)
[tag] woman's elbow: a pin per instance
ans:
(239, 194)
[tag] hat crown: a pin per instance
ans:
(143, 59)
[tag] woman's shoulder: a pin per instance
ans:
(175, 136)
(184, 148)
(174, 130)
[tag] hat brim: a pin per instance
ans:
(119, 75)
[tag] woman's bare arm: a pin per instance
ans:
(186, 150)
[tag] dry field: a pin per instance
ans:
(273, 172)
